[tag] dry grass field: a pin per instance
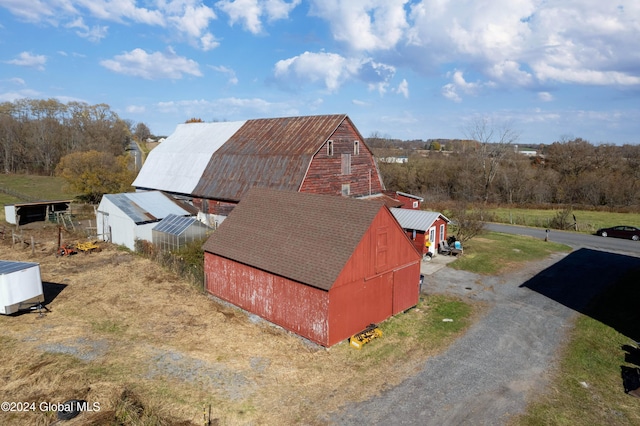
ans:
(148, 348)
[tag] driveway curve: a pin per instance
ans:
(490, 373)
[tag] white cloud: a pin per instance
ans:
(27, 59)
(17, 81)
(403, 88)
(152, 66)
(459, 86)
(545, 96)
(192, 20)
(329, 68)
(234, 108)
(232, 79)
(364, 25)
(32, 11)
(333, 70)
(22, 94)
(208, 42)
(118, 10)
(135, 109)
(360, 103)
(188, 18)
(251, 12)
(528, 42)
(93, 34)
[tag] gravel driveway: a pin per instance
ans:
(489, 374)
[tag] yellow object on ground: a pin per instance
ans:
(370, 333)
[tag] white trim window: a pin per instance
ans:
(329, 148)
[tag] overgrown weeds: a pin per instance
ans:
(186, 262)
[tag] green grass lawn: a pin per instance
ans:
(494, 252)
(23, 188)
(587, 221)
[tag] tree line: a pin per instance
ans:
(36, 134)
(567, 172)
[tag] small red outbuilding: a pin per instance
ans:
(321, 266)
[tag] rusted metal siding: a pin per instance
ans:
(326, 171)
(296, 307)
(270, 153)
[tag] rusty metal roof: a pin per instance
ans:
(308, 238)
(271, 153)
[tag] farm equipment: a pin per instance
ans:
(88, 247)
(66, 250)
(365, 336)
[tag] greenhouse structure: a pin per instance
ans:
(174, 232)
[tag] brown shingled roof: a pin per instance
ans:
(304, 237)
(270, 152)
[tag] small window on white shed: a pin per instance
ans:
(329, 147)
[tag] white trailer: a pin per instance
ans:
(20, 286)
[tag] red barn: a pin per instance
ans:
(215, 164)
(323, 267)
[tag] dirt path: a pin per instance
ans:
(491, 373)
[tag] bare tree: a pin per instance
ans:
(493, 143)
(142, 132)
(467, 222)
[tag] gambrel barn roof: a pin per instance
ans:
(310, 241)
(223, 160)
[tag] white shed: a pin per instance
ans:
(20, 286)
(127, 217)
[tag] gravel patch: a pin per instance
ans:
(490, 373)
(213, 375)
(81, 348)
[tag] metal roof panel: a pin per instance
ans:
(271, 153)
(419, 220)
(148, 206)
(177, 164)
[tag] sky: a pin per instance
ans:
(402, 69)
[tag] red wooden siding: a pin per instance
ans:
(406, 287)
(408, 202)
(421, 237)
(294, 306)
(325, 173)
(365, 293)
(354, 306)
(379, 279)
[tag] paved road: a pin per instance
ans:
(573, 239)
(490, 373)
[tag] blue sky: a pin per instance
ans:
(407, 69)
